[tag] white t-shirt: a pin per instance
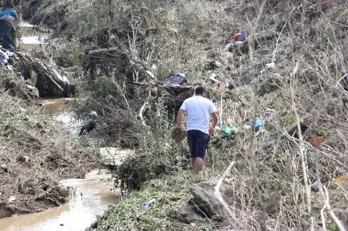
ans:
(198, 110)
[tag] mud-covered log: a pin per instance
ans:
(48, 81)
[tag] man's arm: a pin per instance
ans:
(179, 118)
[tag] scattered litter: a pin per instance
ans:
(21, 75)
(93, 114)
(238, 43)
(150, 74)
(4, 55)
(241, 36)
(315, 140)
(227, 132)
(261, 76)
(213, 78)
(178, 79)
(11, 199)
(258, 123)
(228, 47)
(150, 203)
(270, 65)
(215, 81)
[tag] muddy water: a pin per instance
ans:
(30, 38)
(91, 198)
(60, 109)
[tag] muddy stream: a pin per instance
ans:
(91, 196)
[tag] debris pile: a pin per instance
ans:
(37, 74)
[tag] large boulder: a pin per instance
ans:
(204, 201)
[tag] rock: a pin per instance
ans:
(22, 159)
(217, 64)
(186, 214)
(204, 200)
(268, 85)
(214, 65)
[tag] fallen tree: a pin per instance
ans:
(43, 76)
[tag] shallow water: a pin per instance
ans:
(31, 39)
(60, 109)
(34, 40)
(91, 198)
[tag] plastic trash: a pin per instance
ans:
(213, 78)
(258, 123)
(228, 47)
(241, 36)
(270, 65)
(150, 74)
(4, 54)
(150, 203)
(11, 199)
(215, 81)
(93, 114)
(227, 132)
(21, 75)
(239, 43)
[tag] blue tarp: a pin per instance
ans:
(177, 79)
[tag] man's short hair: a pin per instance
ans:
(199, 90)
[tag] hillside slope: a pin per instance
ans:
(290, 68)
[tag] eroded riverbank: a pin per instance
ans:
(90, 198)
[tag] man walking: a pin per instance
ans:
(198, 109)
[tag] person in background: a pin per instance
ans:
(198, 110)
(8, 18)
